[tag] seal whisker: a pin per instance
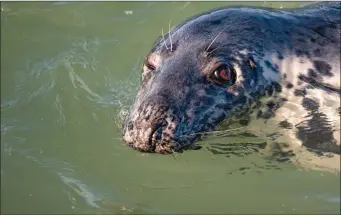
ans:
(163, 36)
(213, 50)
(115, 121)
(214, 39)
(170, 35)
(173, 152)
(213, 132)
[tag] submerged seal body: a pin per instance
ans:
(242, 63)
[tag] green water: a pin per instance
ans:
(68, 72)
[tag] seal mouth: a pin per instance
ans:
(163, 137)
(161, 142)
(154, 143)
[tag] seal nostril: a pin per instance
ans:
(156, 134)
(130, 125)
(157, 129)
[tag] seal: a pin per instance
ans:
(242, 63)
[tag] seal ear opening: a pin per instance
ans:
(252, 64)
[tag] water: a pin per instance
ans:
(69, 71)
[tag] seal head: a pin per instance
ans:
(207, 69)
(191, 85)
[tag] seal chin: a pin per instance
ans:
(154, 147)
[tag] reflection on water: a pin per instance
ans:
(69, 72)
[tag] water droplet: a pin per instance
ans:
(128, 12)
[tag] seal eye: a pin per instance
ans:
(149, 66)
(225, 75)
